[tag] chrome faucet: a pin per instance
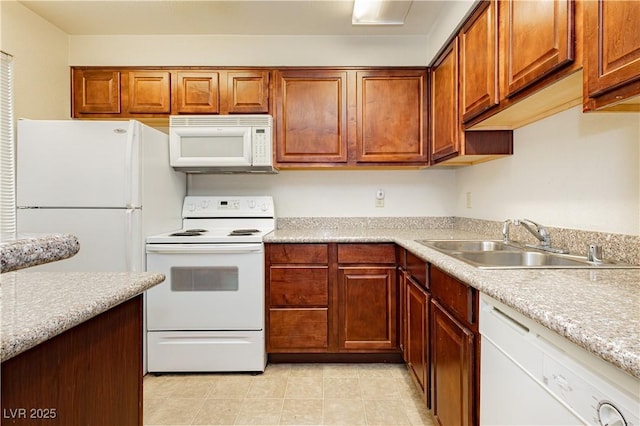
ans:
(541, 233)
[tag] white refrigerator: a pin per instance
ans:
(109, 183)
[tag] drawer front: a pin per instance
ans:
(367, 253)
(298, 329)
(299, 253)
(303, 286)
(454, 295)
(417, 268)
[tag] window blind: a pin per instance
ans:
(7, 147)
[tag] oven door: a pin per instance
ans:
(207, 287)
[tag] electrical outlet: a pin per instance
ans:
(468, 200)
(379, 198)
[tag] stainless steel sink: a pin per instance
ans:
(494, 254)
(470, 245)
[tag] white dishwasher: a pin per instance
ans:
(529, 375)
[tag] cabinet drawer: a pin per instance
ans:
(366, 253)
(417, 269)
(299, 253)
(296, 329)
(454, 295)
(303, 286)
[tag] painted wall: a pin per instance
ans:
(41, 70)
(570, 170)
(427, 192)
(221, 50)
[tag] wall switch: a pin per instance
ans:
(379, 198)
(468, 200)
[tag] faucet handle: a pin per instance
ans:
(594, 254)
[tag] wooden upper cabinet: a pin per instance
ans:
(612, 50)
(311, 116)
(539, 38)
(445, 128)
(95, 92)
(247, 92)
(479, 61)
(149, 92)
(391, 119)
(196, 92)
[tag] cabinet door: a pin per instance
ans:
(391, 119)
(197, 92)
(247, 92)
(367, 313)
(539, 38)
(149, 92)
(479, 62)
(96, 92)
(445, 128)
(417, 339)
(452, 369)
(311, 111)
(298, 330)
(612, 44)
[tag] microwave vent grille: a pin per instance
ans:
(220, 120)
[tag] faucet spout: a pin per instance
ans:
(505, 230)
(537, 230)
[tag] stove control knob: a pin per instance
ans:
(191, 207)
(252, 204)
(265, 207)
(204, 204)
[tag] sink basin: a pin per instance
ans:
(495, 254)
(518, 259)
(468, 245)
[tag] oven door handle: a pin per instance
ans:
(205, 248)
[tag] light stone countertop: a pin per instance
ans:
(23, 251)
(598, 310)
(36, 306)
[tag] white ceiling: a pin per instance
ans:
(251, 17)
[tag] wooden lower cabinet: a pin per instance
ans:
(331, 299)
(454, 350)
(417, 335)
(367, 308)
(452, 368)
(88, 375)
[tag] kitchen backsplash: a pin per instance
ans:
(619, 247)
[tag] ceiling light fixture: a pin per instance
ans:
(380, 12)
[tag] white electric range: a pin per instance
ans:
(208, 315)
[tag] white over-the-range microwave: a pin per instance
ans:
(221, 143)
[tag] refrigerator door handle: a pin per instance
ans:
(132, 170)
(128, 240)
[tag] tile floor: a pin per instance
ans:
(288, 394)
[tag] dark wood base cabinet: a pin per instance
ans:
(88, 375)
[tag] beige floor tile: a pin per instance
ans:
(267, 387)
(304, 388)
(420, 416)
(336, 387)
(301, 412)
(340, 370)
(171, 411)
(378, 388)
(279, 370)
(218, 412)
(307, 370)
(260, 412)
(230, 387)
(343, 412)
(382, 370)
(385, 412)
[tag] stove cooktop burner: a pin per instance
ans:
(243, 232)
(189, 233)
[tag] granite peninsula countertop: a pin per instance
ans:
(23, 251)
(597, 309)
(36, 306)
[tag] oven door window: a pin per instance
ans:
(214, 278)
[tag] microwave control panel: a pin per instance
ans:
(261, 143)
